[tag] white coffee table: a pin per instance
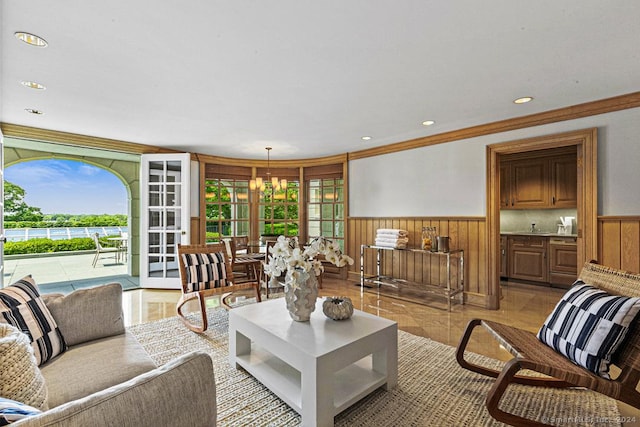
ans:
(319, 367)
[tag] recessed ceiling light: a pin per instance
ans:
(428, 122)
(523, 100)
(366, 138)
(34, 111)
(32, 85)
(31, 39)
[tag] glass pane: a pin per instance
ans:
(226, 229)
(155, 219)
(242, 212)
(339, 194)
(156, 171)
(155, 196)
(313, 212)
(314, 195)
(327, 211)
(339, 229)
(327, 228)
(314, 228)
(328, 195)
(174, 171)
(173, 195)
(339, 210)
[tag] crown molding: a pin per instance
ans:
(593, 108)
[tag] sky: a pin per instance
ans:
(69, 187)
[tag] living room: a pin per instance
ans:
(381, 67)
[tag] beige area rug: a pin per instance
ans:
(432, 389)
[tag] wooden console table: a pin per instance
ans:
(450, 291)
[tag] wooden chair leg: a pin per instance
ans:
(203, 313)
(506, 377)
(518, 379)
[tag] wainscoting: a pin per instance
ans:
(467, 233)
(618, 247)
(619, 242)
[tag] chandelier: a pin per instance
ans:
(260, 184)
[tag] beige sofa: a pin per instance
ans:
(106, 378)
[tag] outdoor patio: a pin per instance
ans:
(68, 272)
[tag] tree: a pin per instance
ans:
(15, 208)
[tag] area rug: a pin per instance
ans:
(432, 389)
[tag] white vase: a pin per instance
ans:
(300, 293)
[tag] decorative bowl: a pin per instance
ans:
(337, 308)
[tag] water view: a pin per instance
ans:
(63, 233)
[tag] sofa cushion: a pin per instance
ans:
(88, 314)
(20, 378)
(93, 366)
(588, 325)
(12, 411)
(22, 307)
(180, 393)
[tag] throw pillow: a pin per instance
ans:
(12, 411)
(588, 325)
(205, 271)
(82, 315)
(22, 307)
(20, 378)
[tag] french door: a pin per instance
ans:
(164, 217)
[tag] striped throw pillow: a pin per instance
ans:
(12, 411)
(22, 307)
(588, 325)
(205, 271)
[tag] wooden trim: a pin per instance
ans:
(587, 109)
(617, 218)
(413, 218)
(229, 161)
(66, 138)
(586, 142)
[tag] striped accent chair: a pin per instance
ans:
(205, 271)
(602, 297)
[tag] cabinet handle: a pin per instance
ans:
(553, 200)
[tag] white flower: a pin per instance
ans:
(286, 256)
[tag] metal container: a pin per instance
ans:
(443, 243)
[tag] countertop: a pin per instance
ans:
(537, 233)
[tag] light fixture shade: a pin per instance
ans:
(259, 182)
(252, 185)
(274, 181)
(283, 184)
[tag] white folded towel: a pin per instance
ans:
(392, 243)
(396, 232)
(399, 240)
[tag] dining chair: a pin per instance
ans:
(205, 271)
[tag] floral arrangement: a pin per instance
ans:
(287, 256)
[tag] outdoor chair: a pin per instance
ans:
(532, 354)
(205, 271)
(101, 250)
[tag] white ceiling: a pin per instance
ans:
(309, 78)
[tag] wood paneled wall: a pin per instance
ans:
(619, 242)
(467, 233)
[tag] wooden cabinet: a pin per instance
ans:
(504, 265)
(563, 261)
(528, 258)
(544, 182)
(564, 182)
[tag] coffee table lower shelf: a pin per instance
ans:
(351, 383)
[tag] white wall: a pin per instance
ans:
(450, 179)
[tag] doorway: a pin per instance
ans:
(585, 142)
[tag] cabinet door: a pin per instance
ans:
(504, 270)
(164, 217)
(505, 185)
(529, 183)
(563, 261)
(564, 182)
(528, 259)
